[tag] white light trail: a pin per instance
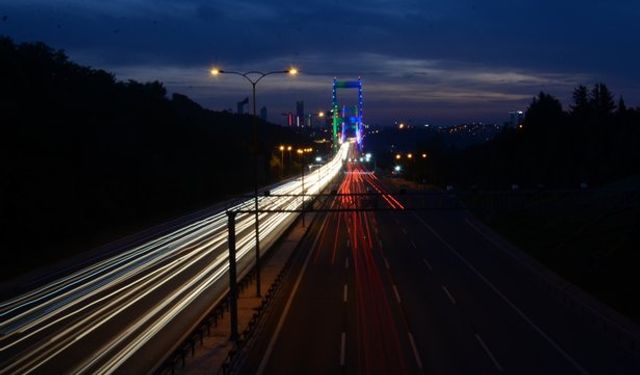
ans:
(38, 326)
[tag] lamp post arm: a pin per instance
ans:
(262, 75)
(243, 75)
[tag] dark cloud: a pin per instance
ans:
(503, 51)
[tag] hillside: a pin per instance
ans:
(86, 158)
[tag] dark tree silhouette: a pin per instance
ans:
(581, 106)
(591, 143)
(622, 107)
(602, 101)
(545, 111)
(85, 159)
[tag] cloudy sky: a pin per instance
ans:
(437, 61)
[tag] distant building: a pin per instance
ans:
(263, 113)
(299, 112)
(241, 105)
(516, 118)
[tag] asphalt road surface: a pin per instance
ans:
(406, 291)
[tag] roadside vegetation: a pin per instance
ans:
(86, 159)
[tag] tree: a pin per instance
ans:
(544, 111)
(581, 105)
(602, 101)
(622, 108)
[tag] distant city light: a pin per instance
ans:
(318, 159)
(409, 155)
(397, 168)
(398, 156)
(401, 126)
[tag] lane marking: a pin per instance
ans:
(415, 351)
(386, 263)
(395, 291)
(413, 244)
(453, 300)
(285, 312)
(404, 231)
(491, 356)
(426, 262)
(346, 262)
(504, 298)
(344, 294)
(348, 243)
(526, 264)
(343, 348)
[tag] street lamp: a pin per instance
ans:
(257, 77)
(247, 75)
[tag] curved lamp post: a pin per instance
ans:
(254, 77)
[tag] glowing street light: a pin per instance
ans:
(424, 156)
(409, 155)
(398, 156)
(320, 114)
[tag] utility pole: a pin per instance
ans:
(233, 282)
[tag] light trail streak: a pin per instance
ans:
(149, 286)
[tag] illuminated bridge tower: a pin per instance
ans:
(346, 121)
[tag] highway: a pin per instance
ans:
(417, 291)
(122, 314)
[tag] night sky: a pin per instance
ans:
(439, 61)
